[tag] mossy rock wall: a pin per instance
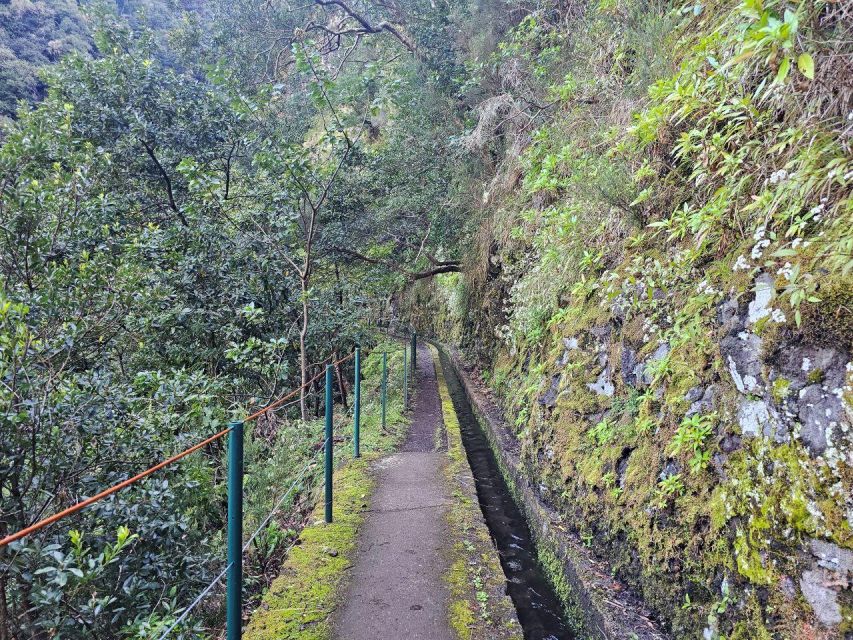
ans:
(659, 298)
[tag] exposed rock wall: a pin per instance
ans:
(712, 474)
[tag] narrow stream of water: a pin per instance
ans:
(538, 608)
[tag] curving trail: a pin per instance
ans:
(397, 588)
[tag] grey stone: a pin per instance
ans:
(818, 412)
(788, 587)
(823, 599)
(727, 314)
(694, 394)
(549, 398)
(830, 362)
(706, 403)
(718, 460)
(569, 344)
(765, 289)
(602, 386)
(628, 364)
(756, 419)
(752, 415)
(730, 443)
(671, 468)
(601, 332)
(831, 556)
(641, 378)
(742, 355)
(619, 308)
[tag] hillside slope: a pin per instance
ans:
(659, 292)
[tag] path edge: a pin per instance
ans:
(316, 569)
(479, 607)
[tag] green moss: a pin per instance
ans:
(300, 601)
(555, 572)
(815, 376)
(780, 388)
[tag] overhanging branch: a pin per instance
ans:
(364, 25)
(446, 266)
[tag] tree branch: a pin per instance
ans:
(450, 266)
(366, 26)
(167, 181)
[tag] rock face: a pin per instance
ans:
(602, 386)
(823, 599)
(821, 585)
(742, 354)
(702, 449)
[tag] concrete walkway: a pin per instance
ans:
(397, 588)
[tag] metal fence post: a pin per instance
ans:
(234, 604)
(356, 433)
(414, 353)
(329, 443)
(405, 380)
(384, 387)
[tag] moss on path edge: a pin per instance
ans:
(299, 602)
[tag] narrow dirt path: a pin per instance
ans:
(397, 588)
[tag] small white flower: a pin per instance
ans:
(796, 243)
(758, 249)
(759, 233)
(778, 176)
(777, 315)
(786, 271)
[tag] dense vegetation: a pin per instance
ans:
(182, 226)
(635, 217)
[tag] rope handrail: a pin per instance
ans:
(108, 492)
(144, 474)
(288, 396)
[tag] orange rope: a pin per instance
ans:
(103, 494)
(121, 485)
(288, 396)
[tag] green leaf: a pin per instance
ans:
(805, 63)
(784, 68)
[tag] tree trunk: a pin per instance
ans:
(303, 351)
(341, 386)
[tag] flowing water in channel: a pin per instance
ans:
(538, 608)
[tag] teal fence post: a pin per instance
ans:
(330, 443)
(405, 380)
(384, 387)
(356, 411)
(234, 604)
(414, 354)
